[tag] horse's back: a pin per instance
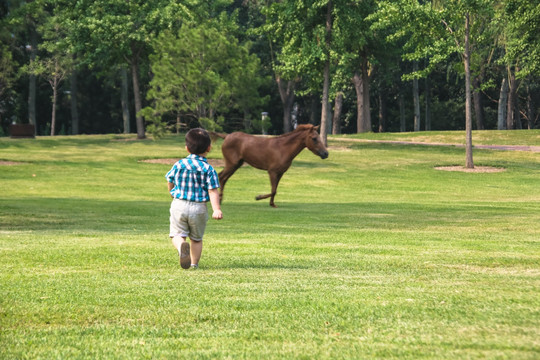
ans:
(253, 149)
(240, 141)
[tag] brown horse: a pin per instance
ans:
(273, 154)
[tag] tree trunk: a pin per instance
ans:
(313, 109)
(428, 104)
(468, 116)
(416, 99)
(501, 112)
(478, 104)
(511, 104)
(519, 124)
(530, 109)
(361, 85)
(366, 94)
(325, 111)
(124, 99)
(32, 99)
(54, 99)
(286, 92)
(357, 81)
(73, 103)
(325, 103)
(517, 112)
(137, 97)
(294, 116)
(382, 112)
(32, 83)
(336, 121)
(402, 124)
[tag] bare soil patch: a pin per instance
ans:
(339, 148)
(476, 169)
(9, 163)
(429, 142)
(170, 161)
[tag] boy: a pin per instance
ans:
(192, 182)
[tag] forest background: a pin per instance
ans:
(116, 66)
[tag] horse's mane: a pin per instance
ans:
(299, 128)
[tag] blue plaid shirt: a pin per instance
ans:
(192, 178)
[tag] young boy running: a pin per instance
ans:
(192, 182)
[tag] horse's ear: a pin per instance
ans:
(317, 127)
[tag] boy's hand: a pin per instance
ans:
(217, 214)
(214, 200)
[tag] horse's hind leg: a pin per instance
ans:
(225, 174)
(274, 180)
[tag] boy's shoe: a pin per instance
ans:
(185, 258)
(194, 267)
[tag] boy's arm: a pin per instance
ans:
(170, 186)
(216, 206)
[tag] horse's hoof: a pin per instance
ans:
(273, 205)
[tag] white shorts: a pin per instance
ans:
(188, 218)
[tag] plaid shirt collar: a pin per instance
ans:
(197, 157)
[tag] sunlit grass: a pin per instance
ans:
(371, 254)
(487, 137)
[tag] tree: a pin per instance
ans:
(120, 32)
(416, 99)
(24, 20)
(325, 111)
(436, 31)
(7, 64)
(304, 30)
(201, 73)
(522, 24)
(54, 70)
(521, 21)
(314, 62)
(56, 63)
(278, 29)
(7, 77)
(356, 45)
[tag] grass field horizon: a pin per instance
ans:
(371, 253)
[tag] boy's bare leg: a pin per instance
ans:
(183, 248)
(196, 251)
(177, 241)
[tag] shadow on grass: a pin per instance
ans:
(81, 215)
(251, 218)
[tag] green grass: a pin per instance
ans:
(371, 254)
(516, 137)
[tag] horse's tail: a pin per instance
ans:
(214, 135)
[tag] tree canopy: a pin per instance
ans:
(200, 74)
(221, 64)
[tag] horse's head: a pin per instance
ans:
(314, 142)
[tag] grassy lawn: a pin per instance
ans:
(517, 137)
(371, 253)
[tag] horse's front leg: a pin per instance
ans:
(274, 180)
(224, 175)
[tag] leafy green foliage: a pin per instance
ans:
(289, 38)
(7, 70)
(432, 31)
(201, 73)
(523, 36)
(117, 31)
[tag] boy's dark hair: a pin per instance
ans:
(197, 141)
